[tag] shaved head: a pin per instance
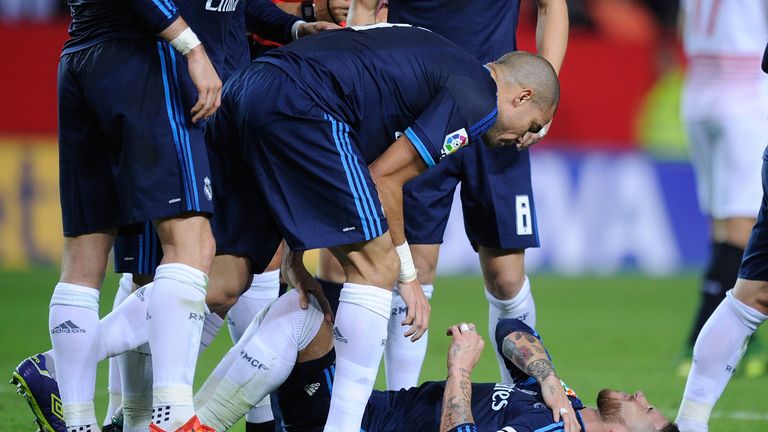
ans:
(531, 71)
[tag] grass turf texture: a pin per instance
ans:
(620, 332)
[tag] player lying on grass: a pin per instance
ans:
(290, 350)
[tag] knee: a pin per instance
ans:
(505, 285)
(426, 268)
(223, 292)
(220, 297)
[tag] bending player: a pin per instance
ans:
(291, 350)
(321, 168)
(721, 342)
(496, 191)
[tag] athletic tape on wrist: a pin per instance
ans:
(185, 41)
(407, 268)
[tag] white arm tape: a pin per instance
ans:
(295, 29)
(407, 269)
(185, 41)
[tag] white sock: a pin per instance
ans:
(264, 289)
(221, 370)
(718, 349)
(260, 362)
(73, 321)
(403, 358)
(261, 413)
(136, 374)
(520, 307)
(126, 327)
(360, 335)
(211, 327)
(176, 314)
(50, 362)
(124, 288)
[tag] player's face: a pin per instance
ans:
(517, 116)
(636, 412)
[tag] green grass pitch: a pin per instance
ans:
(621, 332)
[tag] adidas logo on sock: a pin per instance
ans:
(338, 336)
(311, 388)
(67, 327)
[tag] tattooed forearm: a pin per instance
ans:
(457, 401)
(527, 353)
(540, 369)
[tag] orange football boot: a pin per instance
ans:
(193, 425)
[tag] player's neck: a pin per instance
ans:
(592, 422)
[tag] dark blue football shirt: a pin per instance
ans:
(485, 28)
(388, 80)
(517, 407)
(219, 24)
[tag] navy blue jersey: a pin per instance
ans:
(223, 31)
(494, 407)
(305, 397)
(485, 28)
(219, 24)
(388, 80)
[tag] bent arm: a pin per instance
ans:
(267, 20)
(457, 402)
(463, 355)
(527, 352)
(399, 164)
(552, 31)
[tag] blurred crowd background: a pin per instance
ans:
(613, 188)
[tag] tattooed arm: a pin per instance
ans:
(463, 354)
(526, 352)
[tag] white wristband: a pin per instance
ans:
(185, 41)
(407, 269)
(295, 29)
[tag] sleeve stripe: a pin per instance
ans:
(170, 6)
(420, 147)
(554, 427)
(162, 8)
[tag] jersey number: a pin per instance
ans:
(523, 213)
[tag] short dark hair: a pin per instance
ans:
(670, 427)
(534, 72)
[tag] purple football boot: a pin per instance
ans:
(35, 382)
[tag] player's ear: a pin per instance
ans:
(523, 96)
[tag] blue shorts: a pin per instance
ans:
(754, 265)
(128, 151)
(137, 249)
(496, 195)
(242, 223)
(303, 171)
